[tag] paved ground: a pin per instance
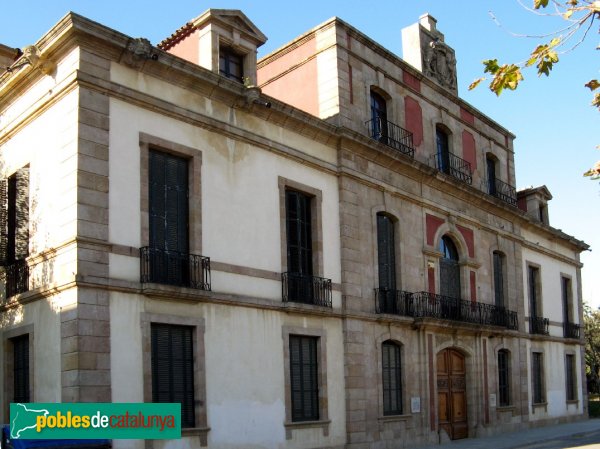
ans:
(579, 435)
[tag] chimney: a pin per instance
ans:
(424, 48)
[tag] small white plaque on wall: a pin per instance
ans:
(415, 405)
(492, 400)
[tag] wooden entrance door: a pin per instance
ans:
(452, 397)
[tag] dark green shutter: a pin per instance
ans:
(168, 213)
(173, 368)
(304, 380)
(386, 252)
(21, 368)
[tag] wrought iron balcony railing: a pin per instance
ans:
(539, 325)
(298, 287)
(430, 305)
(17, 278)
(396, 302)
(571, 330)
(174, 268)
(391, 135)
(502, 191)
(454, 166)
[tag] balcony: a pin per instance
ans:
(430, 305)
(174, 268)
(454, 166)
(391, 135)
(571, 330)
(302, 288)
(502, 191)
(539, 325)
(396, 302)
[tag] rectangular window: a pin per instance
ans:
(392, 378)
(386, 252)
(172, 361)
(304, 378)
(570, 377)
(566, 292)
(498, 279)
(168, 219)
(537, 376)
(300, 284)
(503, 378)
(20, 345)
(533, 278)
(14, 230)
(231, 64)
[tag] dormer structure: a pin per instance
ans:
(534, 201)
(223, 41)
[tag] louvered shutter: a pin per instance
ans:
(173, 368)
(3, 221)
(392, 380)
(385, 251)
(22, 214)
(304, 380)
(21, 368)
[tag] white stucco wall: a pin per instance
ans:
(244, 370)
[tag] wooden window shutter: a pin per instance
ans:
(391, 378)
(3, 222)
(304, 380)
(22, 214)
(21, 368)
(386, 252)
(173, 368)
(168, 214)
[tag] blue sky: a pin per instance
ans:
(556, 128)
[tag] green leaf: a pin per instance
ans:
(537, 4)
(507, 76)
(491, 66)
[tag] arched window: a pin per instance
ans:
(499, 296)
(379, 121)
(503, 378)
(449, 268)
(391, 378)
(443, 149)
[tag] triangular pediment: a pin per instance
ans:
(234, 19)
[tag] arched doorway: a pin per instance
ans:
(452, 395)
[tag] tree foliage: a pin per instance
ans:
(591, 329)
(579, 16)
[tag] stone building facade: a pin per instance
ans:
(330, 232)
